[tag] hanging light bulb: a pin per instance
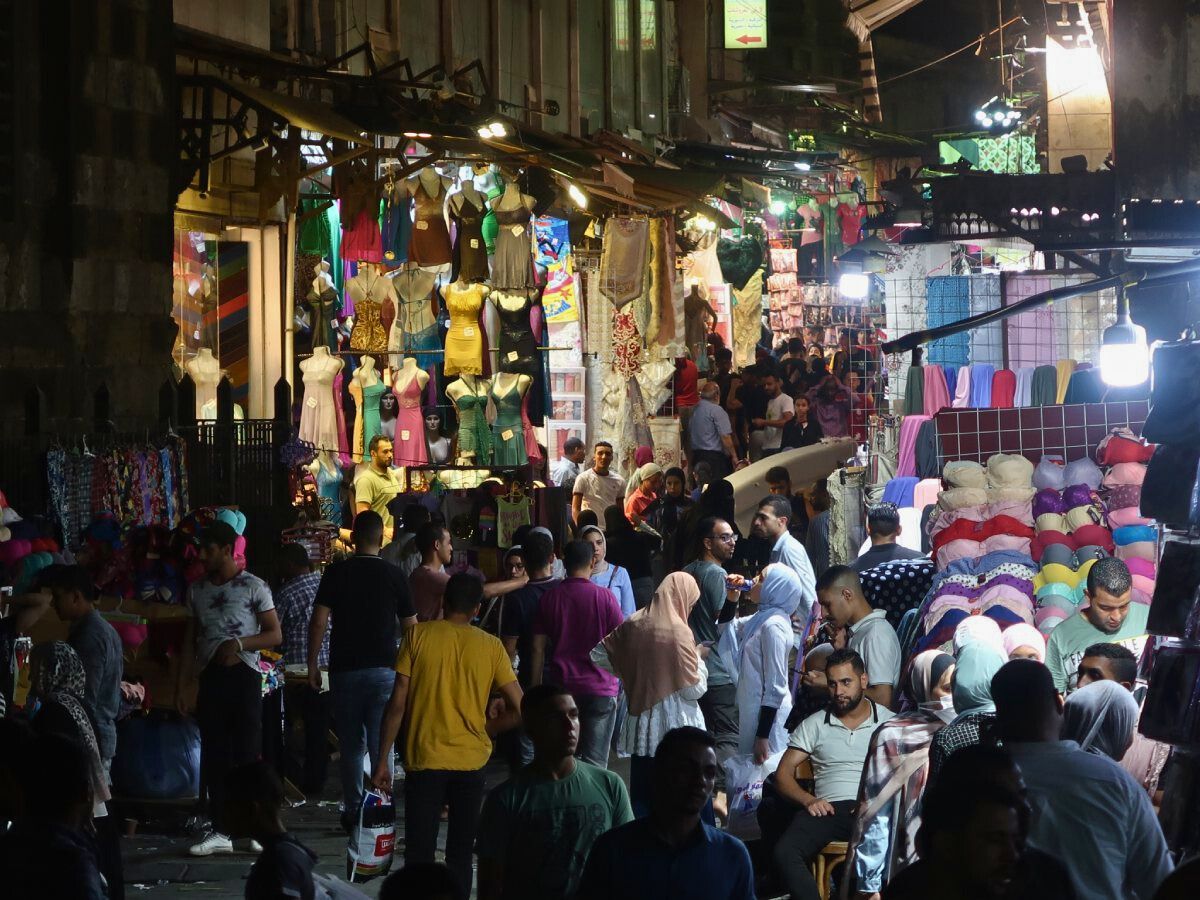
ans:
(778, 207)
(1124, 355)
(578, 197)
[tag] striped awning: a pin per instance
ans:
(864, 16)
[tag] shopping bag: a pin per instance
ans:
(744, 789)
(369, 850)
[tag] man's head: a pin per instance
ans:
(464, 593)
(716, 538)
(801, 403)
(724, 358)
(772, 519)
(578, 557)
(434, 545)
(602, 457)
(293, 561)
(685, 772)
(795, 347)
(1028, 708)
(71, 589)
(674, 481)
(415, 517)
(538, 551)
(1108, 662)
(551, 719)
(380, 449)
(883, 524)
(710, 392)
(974, 822)
(771, 384)
(846, 674)
(575, 450)
(840, 593)
(779, 482)
(216, 548)
(1109, 593)
(368, 532)
(253, 798)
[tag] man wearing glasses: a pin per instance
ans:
(719, 593)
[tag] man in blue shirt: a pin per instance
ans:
(671, 854)
(771, 523)
(710, 435)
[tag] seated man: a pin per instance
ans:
(836, 741)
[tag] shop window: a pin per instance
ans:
(591, 65)
(621, 66)
(209, 304)
(650, 68)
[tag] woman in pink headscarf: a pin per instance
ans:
(1023, 641)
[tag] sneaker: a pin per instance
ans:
(247, 845)
(213, 842)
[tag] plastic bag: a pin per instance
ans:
(369, 850)
(744, 788)
(158, 758)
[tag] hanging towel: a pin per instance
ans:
(926, 492)
(1045, 386)
(914, 392)
(1085, 386)
(937, 395)
(951, 379)
(909, 427)
(981, 385)
(1024, 386)
(962, 390)
(927, 451)
(900, 491)
(1004, 387)
(1063, 372)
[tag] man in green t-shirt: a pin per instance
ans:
(537, 828)
(1110, 617)
(378, 485)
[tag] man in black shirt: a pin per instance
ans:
(803, 430)
(367, 598)
(883, 525)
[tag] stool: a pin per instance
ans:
(831, 855)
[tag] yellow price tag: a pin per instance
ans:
(507, 434)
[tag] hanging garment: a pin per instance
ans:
(329, 491)
(909, 428)
(846, 532)
(369, 291)
(914, 391)
(981, 385)
(705, 269)
(533, 449)
(323, 308)
(740, 260)
(361, 241)
(470, 254)
(356, 433)
(1062, 372)
(318, 416)
(474, 436)
(1024, 390)
(464, 340)
(397, 226)
(951, 381)
(927, 452)
(409, 447)
(948, 299)
(1044, 389)
(510, 515)
(664, 431)
(512, 266)
(430, 242)
(747, 319)
(622, 277)
(962, 389)
(508, 437)
(518, 348)
(370, 406)
(987, 341)
(698, 315)
(343, 443)
(1031, 336)
(937, 395)
(1004, 387)
(414, 329)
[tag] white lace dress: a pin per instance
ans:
(641, 734)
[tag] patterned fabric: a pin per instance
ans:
(664, 431)
(57, 676)
(897, 586)
(948, 300)
(627, 346)
(965, 731)
(294, 605)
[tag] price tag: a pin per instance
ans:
(512, 356)
(518, 230)
(474, 243)
(422, 226)
(468, 331)
(507, 434)
(405, 434)
(311, 402)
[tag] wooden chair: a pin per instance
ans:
(832, 854)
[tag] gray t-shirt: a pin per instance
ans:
(874, 639)
(228, 610)
(838, 754)
(703, 621)
(99, 648)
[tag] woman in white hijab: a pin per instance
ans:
(1101, 718)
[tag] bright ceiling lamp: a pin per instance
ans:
(578, 197)
(1124, 355)
(492, 130)
(998, 116)
(854, 285)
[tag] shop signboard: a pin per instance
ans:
(745, 24)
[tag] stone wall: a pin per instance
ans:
(85, 244)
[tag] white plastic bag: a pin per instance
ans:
(369, 850)
(744, 789)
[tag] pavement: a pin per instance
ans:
(157, 863)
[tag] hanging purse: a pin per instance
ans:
(1170, 493)
(1175, 393)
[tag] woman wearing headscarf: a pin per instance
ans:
(654, 654)
(607, 574)
(1101, 718)
(650, 478)
(974, 668)
(754, 650)
(641, 456)
(1023, 641)
(978, 630)
(897, 766)
(632, 550)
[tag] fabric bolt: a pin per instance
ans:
(1085, 386)
(962, 388)
(1062, 378)
(909, 428)
(914, 391)
(1004, 388)
(1024, 391)
(1044, 386)
(926, 451)
(900, 491)
(981, 385)
(623, 260)
(951, 380)
(937, 394)
(926, 492)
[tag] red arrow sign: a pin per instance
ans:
(747, 39)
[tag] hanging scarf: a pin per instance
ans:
(654, 652)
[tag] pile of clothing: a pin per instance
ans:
(26, 547)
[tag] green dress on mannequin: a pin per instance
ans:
(508, 431)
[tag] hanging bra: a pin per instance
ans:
(1054, 572)
(1078, 517)
(1125, 473)
(1049, 474)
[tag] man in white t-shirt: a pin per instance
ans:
(597, 488)
(780, 410)
(835, 741)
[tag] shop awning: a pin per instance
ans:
(656, 189)
(311, 115)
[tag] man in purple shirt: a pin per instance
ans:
(572, 618)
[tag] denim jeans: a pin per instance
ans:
(426, 792)
(597, 718)
(359, 699)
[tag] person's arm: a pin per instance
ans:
(393, 718)
(600, 659)
(497, 588)
(187, 660)
(539, 659)
(511, 716)
(730, 449)
(576, 505)
(316, 637)
(789, 787)
(510, 647)
(26, 609)
(90, 651)
(1056, 664)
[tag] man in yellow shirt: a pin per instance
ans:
(445, 672)
(378, 484)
